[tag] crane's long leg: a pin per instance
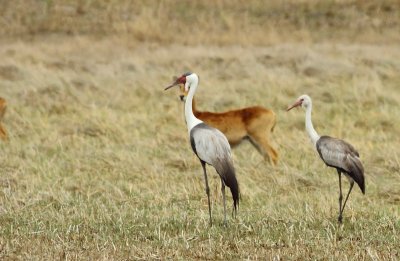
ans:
(203, 164)
(348, 194)
(340, 196)
(223, 199)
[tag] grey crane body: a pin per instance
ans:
(341, 155)
(209, 144)
(212, 147)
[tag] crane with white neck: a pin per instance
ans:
(335, 153)
(209, 145)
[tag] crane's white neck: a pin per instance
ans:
(191, 120)
(309, 126)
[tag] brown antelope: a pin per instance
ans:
(3, 106)
(253, 123)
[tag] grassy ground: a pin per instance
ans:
(98, 165)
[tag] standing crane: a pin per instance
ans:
(335, 153)
(209, 145)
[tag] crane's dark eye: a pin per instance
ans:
(301, 100)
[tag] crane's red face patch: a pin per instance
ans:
(181, 80)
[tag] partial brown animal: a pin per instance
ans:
(255, 124)
(3, 106)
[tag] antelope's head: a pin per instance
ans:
(183, 92)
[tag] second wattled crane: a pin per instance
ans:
(335, 153)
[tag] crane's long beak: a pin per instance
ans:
(172, 85)
(297, 103)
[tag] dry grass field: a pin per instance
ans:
(98, 164)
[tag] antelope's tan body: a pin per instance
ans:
(253, 123)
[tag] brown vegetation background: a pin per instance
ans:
(98, 165)
(207, 22)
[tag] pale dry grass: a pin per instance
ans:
(98, 165)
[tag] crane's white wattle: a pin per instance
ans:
(192, 81)
(309, 126)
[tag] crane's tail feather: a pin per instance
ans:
(357, 170)
(227, 172)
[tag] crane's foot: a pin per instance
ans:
(340, 219)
